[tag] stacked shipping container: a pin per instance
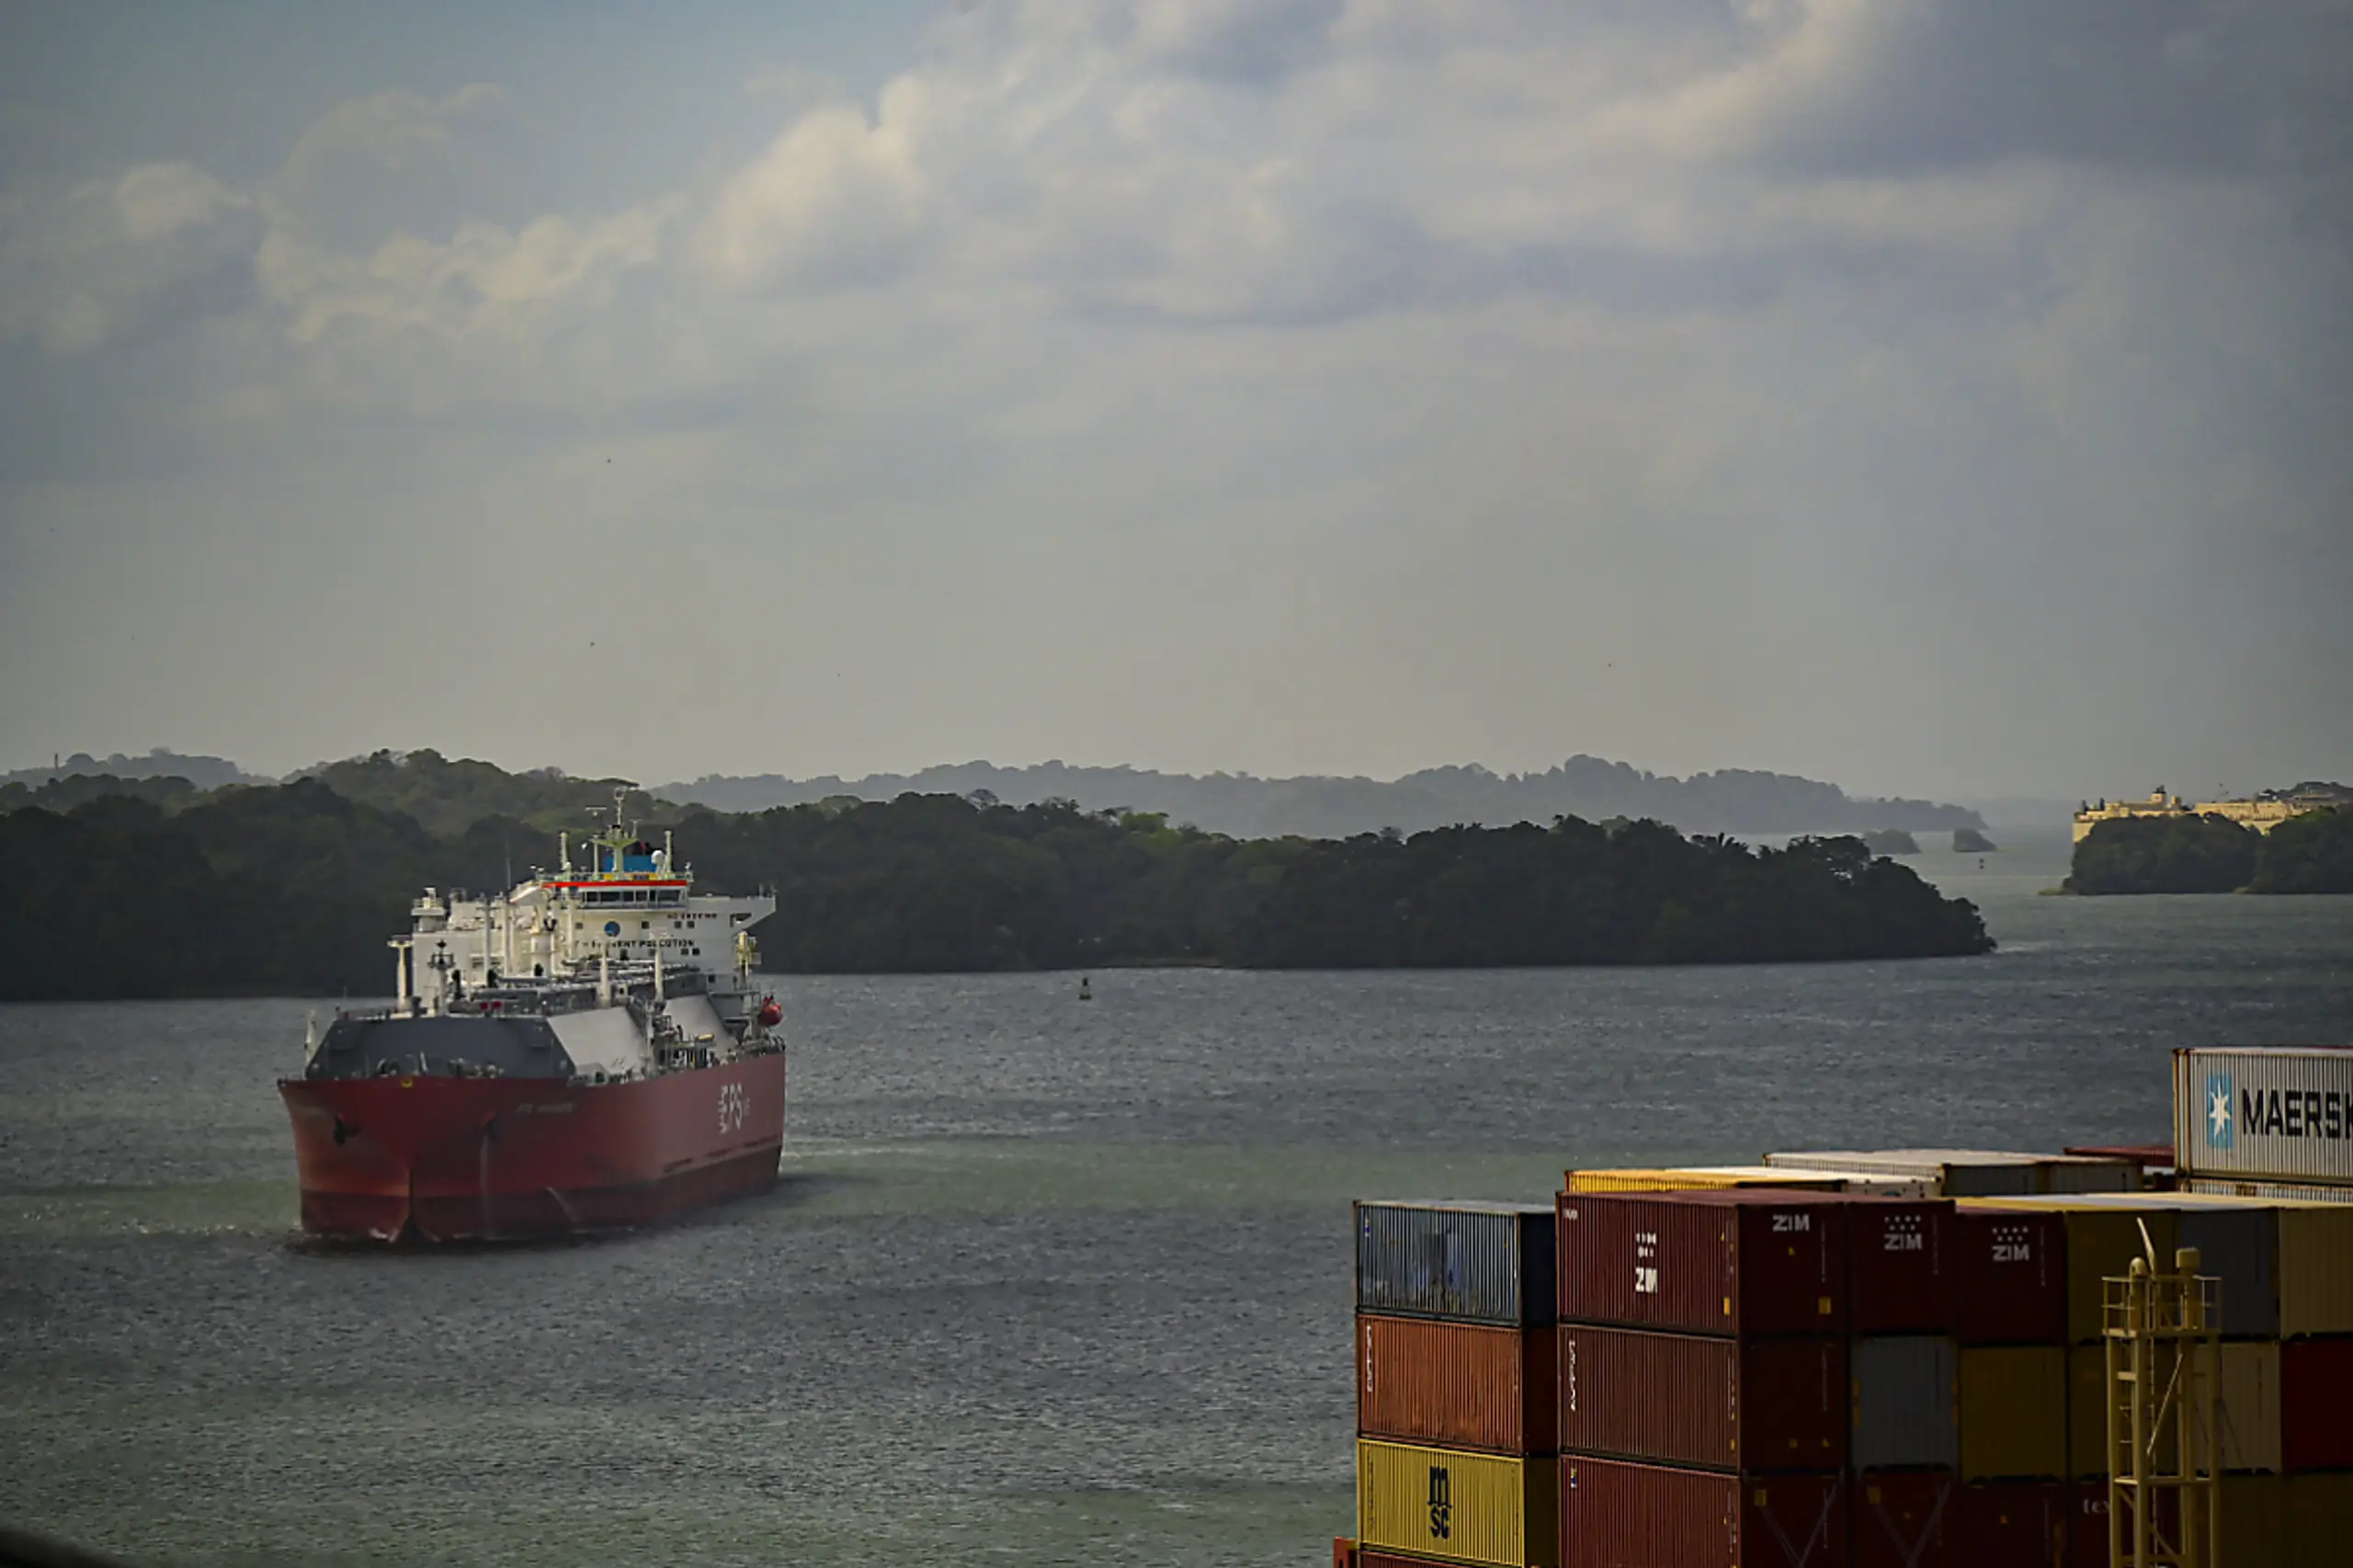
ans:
(1456, 1421)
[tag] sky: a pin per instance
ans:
(1939, 397)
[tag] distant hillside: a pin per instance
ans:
(202, 772)
(446, 797)
(1731, 800)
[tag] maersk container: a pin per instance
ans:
(2316, 1405)
(1486, 1509)
(2284, 1112)
(2268, 1191)
(1903, 1405)
(1468, 1262)
(2103, 1238)
(2013, 1413)
(1902, 1266)
(1753, 1261)
(1459, 1385)
(1735, 1404)
(2010, 1277)
(1617, 1513)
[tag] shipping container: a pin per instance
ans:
(1468, 1262)
(2237, 1243)
(2284, 1112)
(1902, 1267)
(1906, 1519)
(2015, 1524)
(2248, 1391)
(2010, 1277)
(1343, 1554)
(1614, 1513)
(1457, 1385)
(2087, 1523)
(2272, 1191)
(1747, 1261)
(2318, 1514)
(2013, 1413)
(1977, 1173)
(2066, 1174)
(2316, 1405)
(1488, 1509)
(1739, 1404)
(2310, 1288)
(2103, 1238)
(1903, 1415)
(1697, 1178)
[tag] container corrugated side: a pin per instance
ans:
(2013, 1413)
(2315, 1396)
(2247, 1392)
(1901, 1275)
(2010, 1277)
(2237, 1242)
(2283, 1112)
(2068, 1174)
(2104, 1235)
(1461, 1385)
(1957, 1173)
(2014, 1524)
(2088, 1524)
(1488, 1509)
(1467, 1262)
(1905, 1519)
(1695, 1178)
(1738, 1404)
(1750, 1261)
(1903, 1405)
(1615, 1513)
(2319, 1512)
(2269, 1191)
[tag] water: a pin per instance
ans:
(1047, 1282)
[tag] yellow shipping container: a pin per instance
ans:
(2315, 1269)
(2319, 1519)
(2013, 1413)
(2254, 1522)
(2250, 1408)
(2103, 1238)
(1459, 1507)
(1697, 1178)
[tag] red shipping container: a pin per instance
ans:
(2087, 1521)
(1616, 1515)
(1753, 1261)
(2014, 1524)
(1459, 1385)
(2010, 1277)
(1907, 1518)
(1901, 1267)
(1736, 1405)
(1343, 1554)
(2316, 1405)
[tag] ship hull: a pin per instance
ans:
(446, 1159)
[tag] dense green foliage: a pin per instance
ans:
(445, 796)
(295, 888)
(2312, 853)
(64, 793)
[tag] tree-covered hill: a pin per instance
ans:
(2310, 854)
(294, 889)
(446, 797)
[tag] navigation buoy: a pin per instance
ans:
(770, 1014)
(1085, 992)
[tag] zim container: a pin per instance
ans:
(1459, 1507)
(1902, 1407)
(2103, 1238)
(1465, 1261)
(2316, 1405)
(1755, 1261)
(2284, 1112)
(2013, 1402)
(2009, 1277)
(1902, 1268)
(1735, 1404)
(1619, 1515)
(1459, 1385)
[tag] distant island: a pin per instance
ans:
(166, 889)
(1969, 841)
(2187, 852)
(1891, 841)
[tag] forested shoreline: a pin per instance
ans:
(2310, 854)
(156, 891)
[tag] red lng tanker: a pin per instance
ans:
(584, 1051)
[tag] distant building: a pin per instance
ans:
(2262, 813)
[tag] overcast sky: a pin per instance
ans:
(1938, 396)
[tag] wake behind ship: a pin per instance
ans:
(582, 1051)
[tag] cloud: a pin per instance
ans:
(110, 261)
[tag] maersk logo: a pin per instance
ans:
(2221, 1095)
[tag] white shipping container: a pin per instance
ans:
(1973, 1173)
(2270, 1191)
(2280, 1113)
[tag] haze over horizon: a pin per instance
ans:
(1935, 399)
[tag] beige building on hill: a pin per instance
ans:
(2262, 813)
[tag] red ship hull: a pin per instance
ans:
(496, 1159)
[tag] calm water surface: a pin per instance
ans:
(1047, 1282)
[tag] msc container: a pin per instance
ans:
(1614, 1513)
(2013, 1413)
(2009, 1277)
(2316, 1405)
(1468, 1262)
(1902, 1415)
(2278, 1111)
(1696, 1178)
(1900, 1265)
(1458, 1385)
(1736, 1405)
(1461, 1507)
(2103, 1238)
(1747, 1261)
